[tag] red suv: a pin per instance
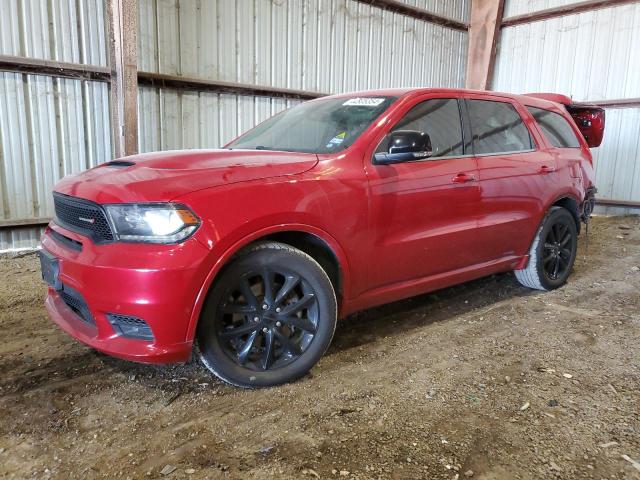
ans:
(254, 251)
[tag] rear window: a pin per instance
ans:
(555, 127)
(497, 128)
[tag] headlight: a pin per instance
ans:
(152, 222)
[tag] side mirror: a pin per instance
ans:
(405, 146)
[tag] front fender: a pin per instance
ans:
(218, 260)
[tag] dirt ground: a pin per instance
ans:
(486, 380)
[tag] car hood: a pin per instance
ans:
(163, 176)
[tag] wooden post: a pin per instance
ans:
(486, 17)
(123, 60)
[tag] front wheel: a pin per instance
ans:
(552, 253)
(268, 319)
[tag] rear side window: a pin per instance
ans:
(440, 119)
(555, 127)
(497, 128)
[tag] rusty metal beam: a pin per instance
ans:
(24, 222)
(122, 23)
(617, 203)
(562, 11)
(34, 66)
(161, 80)
(484, 31)
(418, 13)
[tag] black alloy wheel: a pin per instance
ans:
(557, 251)
(552, 253)
(269, 318)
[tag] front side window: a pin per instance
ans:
(497, 128)
(321, 126)
(440, 119)
(555, 127)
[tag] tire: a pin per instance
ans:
(551, 259)
(268, 318)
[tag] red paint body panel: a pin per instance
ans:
(396, 230)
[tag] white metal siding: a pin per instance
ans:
(319, 45)
(588, 56)
(49, 127)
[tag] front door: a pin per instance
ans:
(423, 213)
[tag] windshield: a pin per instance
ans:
(322, 126)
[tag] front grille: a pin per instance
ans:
(82, 216)
(128, 326)
(76, 303)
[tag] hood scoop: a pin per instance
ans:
(120, 163)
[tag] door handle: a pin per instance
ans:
(463, 178)
(546, 169)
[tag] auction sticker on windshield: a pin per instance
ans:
(364, 102)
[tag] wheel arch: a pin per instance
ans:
(571, 204)
(315, 242)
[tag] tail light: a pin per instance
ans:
(590, 121)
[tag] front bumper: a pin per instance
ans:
(156, 283)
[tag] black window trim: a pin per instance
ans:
(463, 128)
(535, 148)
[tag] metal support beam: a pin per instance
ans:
(52, 68)
(123, 56)
(486, 16)
(418, 13)
(617, 203)
(160, 80)
(617, 103)
(571, 9)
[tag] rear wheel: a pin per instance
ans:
(269, 318)
(552, 253)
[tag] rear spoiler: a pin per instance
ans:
(589, 118)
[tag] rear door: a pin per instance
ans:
(516, 176)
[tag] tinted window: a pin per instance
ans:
(555, 127)
(497, 128)
(438, 118)
(321, 126)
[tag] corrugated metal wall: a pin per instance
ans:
(317, 45)
(51, 127)
(589, 56)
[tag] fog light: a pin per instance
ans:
(130, 327)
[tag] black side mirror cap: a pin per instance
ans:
(405, 146)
